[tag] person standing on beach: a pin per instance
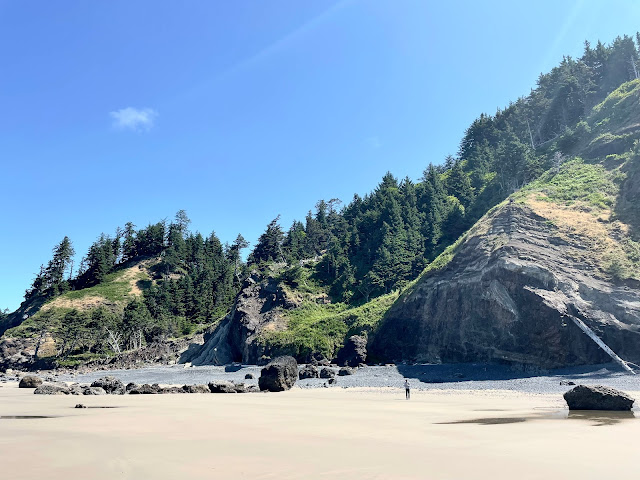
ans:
(407, 389)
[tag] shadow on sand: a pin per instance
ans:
(477, 372)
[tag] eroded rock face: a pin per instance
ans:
(234, 339)
(280, 374)
(584, 397)
(510, 294)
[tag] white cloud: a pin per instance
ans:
(373, 142)
(136, 119)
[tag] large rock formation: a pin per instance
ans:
(235, 337)
(513, 292)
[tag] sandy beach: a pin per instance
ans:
(312, 434)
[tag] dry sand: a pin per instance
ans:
(312, 434)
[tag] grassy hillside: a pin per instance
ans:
(579, 197)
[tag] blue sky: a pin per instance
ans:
(238, 111)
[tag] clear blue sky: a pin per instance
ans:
(237, 111)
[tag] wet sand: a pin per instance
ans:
(312, 434)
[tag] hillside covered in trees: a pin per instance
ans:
(345, 264)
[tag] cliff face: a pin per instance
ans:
(511, 294)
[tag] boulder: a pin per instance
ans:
(279, 375)
(79, 405)
(130, 386)
(145, 389)
(172, 390)
(196, 389)
(332, 381)
(597, 397)
(354, 351)
(52, 389)
(93, 391)
(346, 371)
(309, 371)
(30, 381)
(222, 386)
(249, 376)
(327, 373)
(111, 385)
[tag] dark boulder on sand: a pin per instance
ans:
(93, 391)
(145, 389)
(597, 397)
(346, 371)
(279, 375)
(111, 385)
(52, 389)
(327, 373)
(196, 389)
(309, 371)
(30, 381)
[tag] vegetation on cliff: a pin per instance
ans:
(568, 146)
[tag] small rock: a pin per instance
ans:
(79, 405)
(145, 389)
(327, 373)
(346, 371)
(249, 376)
(222, 386)
(308, 371)
(93, 391)
(51, 389)
(30, 381)
(566, 382)
(111, 385)
(196, 389)
(332, 381)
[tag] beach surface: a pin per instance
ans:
(355, 433)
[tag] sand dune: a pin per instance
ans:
(311, 434)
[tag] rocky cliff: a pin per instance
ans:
(512, 293)
(236, 337)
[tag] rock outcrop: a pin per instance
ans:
(512, 293)
(234, 339)
(279, 375)
(354, 351)
(584, 397)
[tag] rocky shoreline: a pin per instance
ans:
(421, 377)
